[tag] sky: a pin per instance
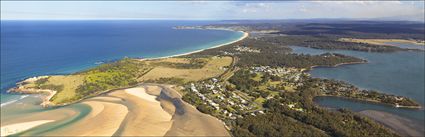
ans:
(210, 10)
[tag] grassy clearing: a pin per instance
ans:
(212, 68)
(258, 77)
(179, 63)
(128, 72)
(260, 100)
(70, 84)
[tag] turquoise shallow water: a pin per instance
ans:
(399, 73)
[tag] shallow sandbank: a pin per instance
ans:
(402, 126)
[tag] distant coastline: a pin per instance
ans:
(245, 35)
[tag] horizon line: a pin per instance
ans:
(164, 19)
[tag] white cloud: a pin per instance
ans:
(367, 9)
(212, 9)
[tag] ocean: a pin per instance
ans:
(34, 48)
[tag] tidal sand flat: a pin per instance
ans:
(147, 110)
(189, 121)
(157, 110)
(103, 120)
(19, 127)
(403, 126)
(146, 117)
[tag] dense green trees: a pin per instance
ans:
(194, 63)
(242, 80)
(329, 43)
(282, 120)
(118, 74)
(273, 125)
(273, 54)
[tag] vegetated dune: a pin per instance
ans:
(149, 110)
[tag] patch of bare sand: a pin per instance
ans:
(146, 116)
(403, 126)
(19, 127)
(104, 119)
(189, 121)
(195, 123)
(141, 111)
(153, 90)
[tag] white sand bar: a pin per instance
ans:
(19, 127)
(141, 93)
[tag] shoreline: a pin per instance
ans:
(402, 126)
(46, 100)
(371, 102)
(336, 65)
(245, 35)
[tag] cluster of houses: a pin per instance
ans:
(293, 106)
(227, 103)
(293, 74)
(246, 49)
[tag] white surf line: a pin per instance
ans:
(13, 101)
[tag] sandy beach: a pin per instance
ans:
(245, 35)
(403, 126)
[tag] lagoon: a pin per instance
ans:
(399, 73)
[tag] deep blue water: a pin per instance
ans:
(33, 48)
(399, 73)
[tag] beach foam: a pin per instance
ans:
(13, 101)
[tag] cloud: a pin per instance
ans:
(211, 9)
(367, 9)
